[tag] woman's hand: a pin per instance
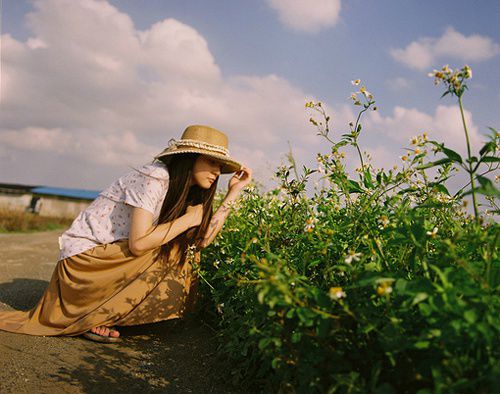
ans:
(195, 213)
(240, 179)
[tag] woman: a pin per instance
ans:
(127, 258)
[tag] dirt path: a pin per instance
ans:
(169, 357)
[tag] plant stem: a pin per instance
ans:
(356, 139)
(471, 172)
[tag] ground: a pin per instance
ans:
(168, 357)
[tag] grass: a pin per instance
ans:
(26, 222)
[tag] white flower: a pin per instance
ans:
(352, 256)
(336, 293)
(383, 221)
(356, 82)
(432, 233)
(310, 224)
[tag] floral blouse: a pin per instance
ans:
(107, 218)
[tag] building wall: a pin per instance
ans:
(15, 202)
(47, 206)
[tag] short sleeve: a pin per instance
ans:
(143, 191)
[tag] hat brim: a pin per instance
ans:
(229, 165)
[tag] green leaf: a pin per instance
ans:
(296, 336)
(483, 181)
(419, 298)
(484, 191)
(490, 159)
(488, 147)
(367, 179)
(354, 187)
(441, 188)
(452, 154)
(422, 344)
(434, 163)
(425, 309)
(470, 316)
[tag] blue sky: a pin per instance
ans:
(256, 70)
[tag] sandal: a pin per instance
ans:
(101, 338)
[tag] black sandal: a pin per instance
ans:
(101, 338)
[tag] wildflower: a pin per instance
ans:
(432, 233)
(384, 288)
(352, 256)
(497, 178)
(414, 140)
(443, 198)
(310, 104)
(366, 93)
(425, 136)
(404, 158)
(216, 264)
(310, 223)
(353, 96)
(338, 155)
(336, 293)
(447, 70)
(190, 253)
(417, 151)
(219, 308)
(383, 221)
(313, 121)
(467, 72)
(356, 82)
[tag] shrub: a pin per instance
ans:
(377, 284)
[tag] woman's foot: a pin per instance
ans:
(102, 334)
(105, 332)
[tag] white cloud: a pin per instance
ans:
(445, 125)
(425, 52)
(307, 16)
(88, 85)
(399, 83)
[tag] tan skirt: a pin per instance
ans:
(106, 286)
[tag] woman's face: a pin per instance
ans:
(205, 171)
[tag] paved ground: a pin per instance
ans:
(169, 357)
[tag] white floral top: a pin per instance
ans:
(107, 218)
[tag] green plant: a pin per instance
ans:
(382, 284)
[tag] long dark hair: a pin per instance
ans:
(179, 195)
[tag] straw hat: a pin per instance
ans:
(205, 140)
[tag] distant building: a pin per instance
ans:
(44, 200)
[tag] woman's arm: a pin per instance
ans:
(142, 236)
(218, 219)
(236, 185)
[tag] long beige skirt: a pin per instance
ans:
(106, 286)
